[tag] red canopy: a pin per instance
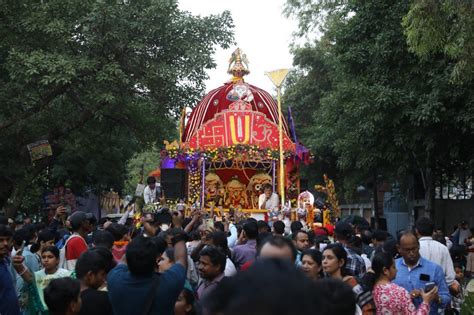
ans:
(219, 99)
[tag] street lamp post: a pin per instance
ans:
(277, 77)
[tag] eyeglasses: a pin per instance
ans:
(410, 250)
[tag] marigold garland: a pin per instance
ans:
(240, 152)
(120, 243)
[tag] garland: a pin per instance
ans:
(195, 181)
(332, 202)
(242, 152)
(120, 243)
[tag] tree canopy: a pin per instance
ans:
(100, 80)
(443, 27)
(377, 108)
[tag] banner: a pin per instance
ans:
(39, 150)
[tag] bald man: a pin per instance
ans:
(414, 272)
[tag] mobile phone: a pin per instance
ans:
(209, 223)
(20, 250)
(425, 277)
(429, 286)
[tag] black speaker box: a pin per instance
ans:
(173, 183)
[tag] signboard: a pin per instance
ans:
(39, 150)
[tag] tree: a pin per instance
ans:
(304, 88)
(138, 168)
(100, 80)
(443, 27)
(386, 112)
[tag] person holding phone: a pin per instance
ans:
(39, 280)
(415, 273)
(390, 298)
(8, 297)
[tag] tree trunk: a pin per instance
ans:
(429, 193)
(376, 202)
(6, 189)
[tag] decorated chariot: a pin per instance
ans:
(230, 147)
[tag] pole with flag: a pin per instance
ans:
(277, 77)
(181, 125)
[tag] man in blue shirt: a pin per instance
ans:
(414, 272)
(129, 284)
(8, 298)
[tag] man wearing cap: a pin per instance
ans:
(355, 265)
(76, 244)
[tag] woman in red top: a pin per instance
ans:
(391, 299)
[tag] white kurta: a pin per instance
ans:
(149, 195)
(272, 203)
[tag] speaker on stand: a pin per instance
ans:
(173, 183)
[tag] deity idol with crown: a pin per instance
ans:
(235, 194)
(306, 210)
(214, 190)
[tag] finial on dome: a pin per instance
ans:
(238, 65)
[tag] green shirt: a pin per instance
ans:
(42, 280)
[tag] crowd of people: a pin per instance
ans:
(226, 265)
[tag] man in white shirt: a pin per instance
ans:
(151, 191)
(268, 200)
(435, 251)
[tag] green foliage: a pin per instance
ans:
(376, 108)
(139, 167)
(445, 27)
(100, 80)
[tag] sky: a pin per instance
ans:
(261, 31)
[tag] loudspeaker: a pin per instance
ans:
(173, 183)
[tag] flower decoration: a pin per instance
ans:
(332, 204)
(242, 152)
(194, 181)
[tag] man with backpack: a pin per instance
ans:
(145, 291)
(76, 244)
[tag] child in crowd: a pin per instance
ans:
(185, 304)
(62, 296)
(39, 280)
(50, 271)
(458, 300)
(91, 270)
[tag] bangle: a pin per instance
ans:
(23, 271)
